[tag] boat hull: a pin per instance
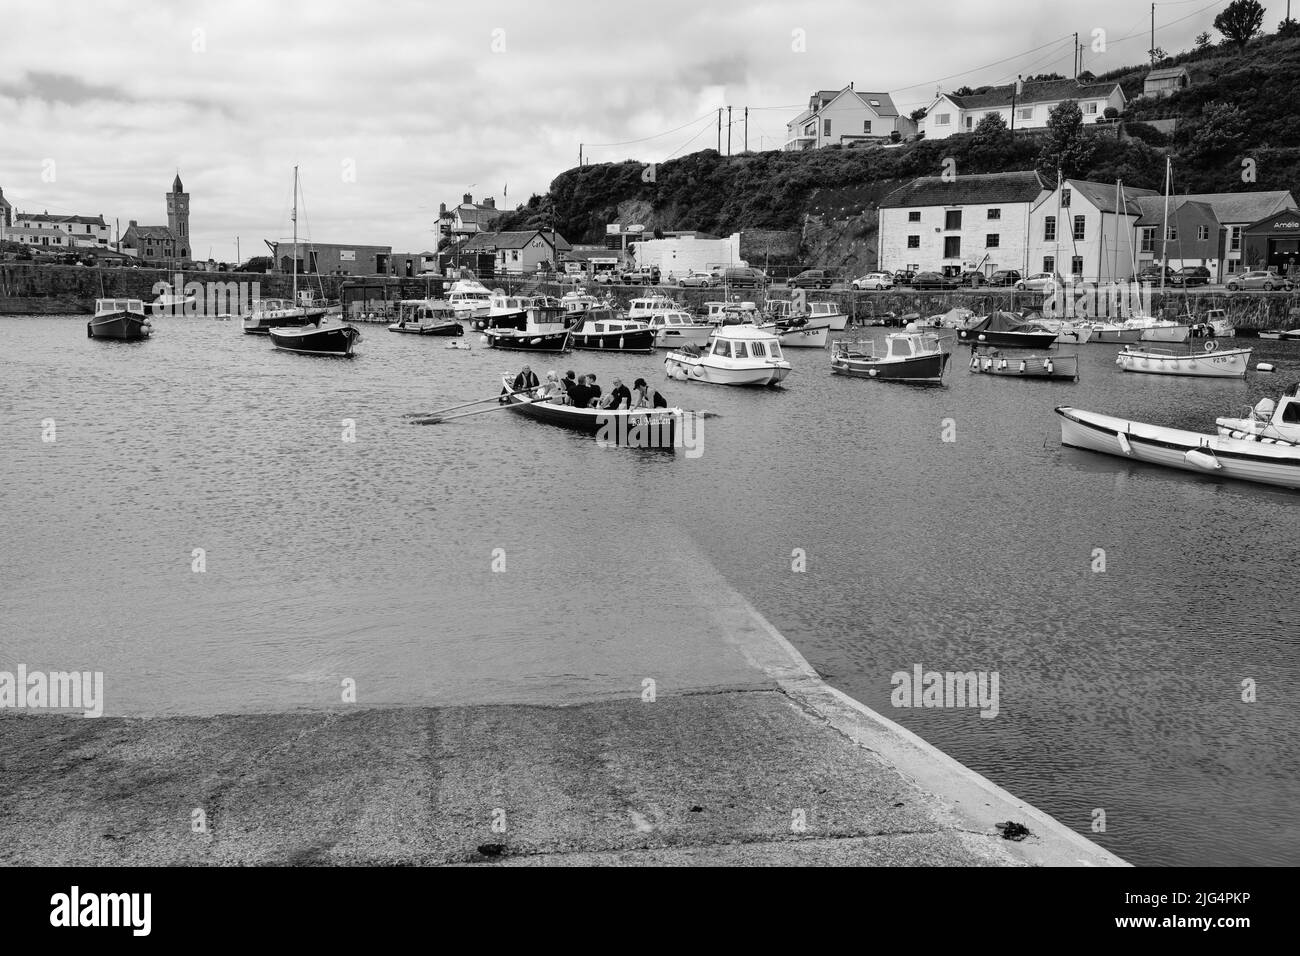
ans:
(685, 368)
(639, 340)
(337, 340)
(446, 328)
(1227, 364)
(513, 340)
(121, 326)
(1170, 447)
(1116, 336)
(1055, 367)
(805, 338)
(676, 337)
(639, 428)
(920, 368)
(1008, 340)
(1166, 333)
(299, 318)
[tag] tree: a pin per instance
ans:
(1240, 21)
(1110, 113)
(1288, 28)
(1157, 55)
(918, 114)
(964, 91)
(1043, 76)
(991, 128)
(1223, 127)
(1068, 147)
(1203, 42)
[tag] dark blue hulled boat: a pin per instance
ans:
(426, 317)
(600, 329)
(543, 329)
(121, 319)
(317, 340)
(1006, 330)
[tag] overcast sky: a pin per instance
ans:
(392, 107)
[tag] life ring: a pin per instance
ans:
(1211, 345)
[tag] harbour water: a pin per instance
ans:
(326, 559)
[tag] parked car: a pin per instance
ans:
(744, 277)
(1039, 282)
(811, 279)
(606, 277)
(904, 277)
(972, 277)
(1151, 276)
(1005, 277)
(697, 280)
(1189, 276)
(1259, 279)
(874, 280)
(932, 280)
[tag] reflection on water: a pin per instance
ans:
(327, 559)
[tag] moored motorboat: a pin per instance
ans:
(993, 362)
(120, 319)
(279, 313)
(1068, 333)
(426, 317)
(909, 356)
(1166, 331)
(1267, 421)
(600, 329)
(675, 329)
(800, 333)
(469, 299)
(1248, 460)
(505, 312)
(735, 355)
(634, 427)
(649, 306)
(1114, 333)
(1210, 363)
(543, 328)
(1006, 330)
(830, 313)
(1271, 334)
(320, 339)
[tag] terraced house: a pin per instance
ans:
(1022, 105)
(941, 224)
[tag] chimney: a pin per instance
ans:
(467, 200)
(850, 84)
(490, 202)
(442, 210)
(131, 222)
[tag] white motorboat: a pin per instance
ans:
(836, 320)
(1210, 363)
(1247, 460)
(1271, 334)
(1163, 330)
(674, 329)
(649, 306)
(469, 299)
(1115, 333)
(426, 317)
(796, 335)
(735, 355)
(1217, 324)
(1268, 422)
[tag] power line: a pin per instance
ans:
(646, 139)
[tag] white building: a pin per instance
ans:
(683, 254)
(977, 222)
(86, 230)
(843, 117)
(1032, 102)
(1083, 229)
(37, 236)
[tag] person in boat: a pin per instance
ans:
(645, 397)
(554, 391)
(526, 378)
(593, 390)
(618, 397)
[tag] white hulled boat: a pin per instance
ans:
(735, 355)
(675, 329)
(1267, 422)
(1210, 363)
(469, 299)
(649, 306)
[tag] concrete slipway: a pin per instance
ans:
(782, 769)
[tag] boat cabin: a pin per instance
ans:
(898, 346)
(674, 320)
(109, 306)
(744, 343)
(651, 305)
(823, 310)
(425, 312)
(606, 320)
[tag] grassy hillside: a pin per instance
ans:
(1239, 106)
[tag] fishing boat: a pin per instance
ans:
(426, 317)
(600, 329)
(631, 427)
(993, 362)
(578, 303)
(121, 319)
(799, 333)
(1008, 331)
(1247, 460)
(1270, 422)
(1115, 333)
(505, 312)
(1210, 363)
(543, 329)
(830, 312)
(649, 306)
(909, 356)
(674, 329)
(469, 299)
(280, 313)
(314, 337)
(735, 355)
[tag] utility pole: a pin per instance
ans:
(747, 129)
(1153, 34)
(238, 258)
(1076, 56)
(719, 129)
(579, 154)
(728, 130)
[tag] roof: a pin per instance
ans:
(1102, 195)
(966, 190)
(512, 240)
(1153, 209)
(473, 212)
(1043, 91)
(1165, 73)
(45, 217)
(1228, 208)
(152, 232)
(823, 98)
(176, 183)
(35, 231)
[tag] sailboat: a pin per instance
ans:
(1164, 330)
(315, 337)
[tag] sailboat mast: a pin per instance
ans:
(295, 236)
(1164, 239)
(1119, 204)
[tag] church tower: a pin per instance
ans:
(178, 211)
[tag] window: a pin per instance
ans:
(1090, 109)
(942, 119)
(1172, 235)
(970, 122)
(992, 241)
(722, 347)
(914, 216)
(1079, 222)
(826, 127)
(1148, 239)
(866, 126)
(741, 351)
(995, 214)
(1076, 266)
(1233, 264)
(1027, 113)
(952, 219)
(1234, 241)
(914, 242)
(757, 349)
(1065, 197)
(1049, 264)
(952, 247)
(1202, 233)
(1049, 229)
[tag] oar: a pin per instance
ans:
(443, 411)
(439, 419)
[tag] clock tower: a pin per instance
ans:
(178, 211)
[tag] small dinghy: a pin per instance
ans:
(993, 362)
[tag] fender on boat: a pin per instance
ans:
(1124, 445)
(1202, 459)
